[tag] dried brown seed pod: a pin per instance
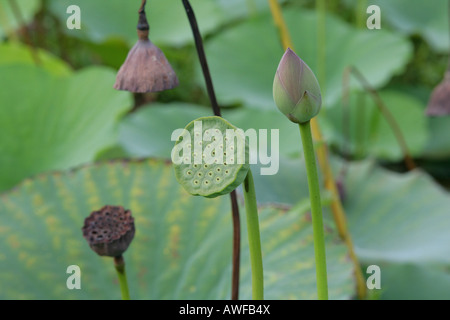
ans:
(146, 68)
(109, 231)
(439, 104)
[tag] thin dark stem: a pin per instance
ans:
(142, 23)
(202, 57)
(216, 109)
(19, 17)
(142, 8)
(236, 246)
(409, 162)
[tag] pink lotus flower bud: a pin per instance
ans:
(296, 90)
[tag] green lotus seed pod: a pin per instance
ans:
(211, 157)
(295, 89)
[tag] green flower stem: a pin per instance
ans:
(254, 239)
(316, 211)
(119, 264)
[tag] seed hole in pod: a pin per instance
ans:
(195, 166)
(221, 146)
(217, 131)
(218, 170)
(224, 153)
(210, 174)
(231, 148)
(224, 163)
(232, 160)
(217, 179)
(206, 182)
(196, 182)
(206, 166)
(214, 138)
(200, 143)
(213, 153)
(200, 174)
(189, 172)
(227, 171)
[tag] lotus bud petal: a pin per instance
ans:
(296, 90)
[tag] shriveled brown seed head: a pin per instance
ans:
(146, 69)
(109, 231)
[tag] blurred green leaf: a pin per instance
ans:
(49, 122)
(438, 144)
(181, 250)
(252, 50)
(147, 132)
(368, 131)
(13, 53)
(402, 218)
(118, 19)
(419, 17)
(417, 282)
(8, 18)
(141, 132)
(392, 217)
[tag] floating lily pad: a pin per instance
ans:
(53, 123)
(181, 250)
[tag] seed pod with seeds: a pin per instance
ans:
(109, 231)
(211, 158)
(146, 69)
(217, 162)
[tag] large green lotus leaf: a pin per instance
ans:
(52, 123)
(118, 18)
(148, 131)
(419, 17)
(17, 53)
(397, 221)
(438, 144)
(397, 217)
(141, 132)
(252, 50)
(367, 131)
(182, 247)
(392, 217)
(418, 282)
(9, 20)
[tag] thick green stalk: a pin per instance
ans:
(254, 239)
(316, 210)
(119, 264)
